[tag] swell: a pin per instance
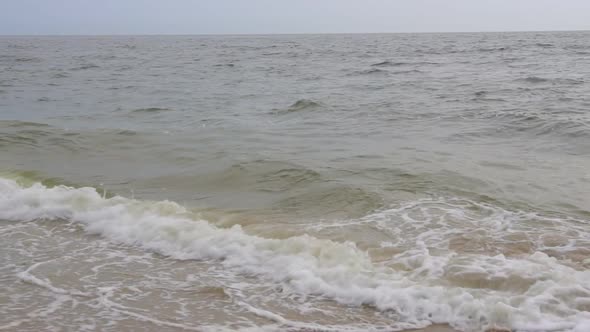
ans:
(301, 105)
(410, 290)
(256, 175)
(286, 187)
(369, 72)
(539, 124)
(19, 124)
(22, 134)
(388, 63)
(151, 110)
(560, 81)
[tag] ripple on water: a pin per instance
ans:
(151, 110)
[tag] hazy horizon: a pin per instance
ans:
(287, 33)
(262, 17)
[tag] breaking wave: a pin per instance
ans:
(419, 287)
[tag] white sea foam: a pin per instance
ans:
(552, 296)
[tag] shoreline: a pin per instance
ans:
(434, 328)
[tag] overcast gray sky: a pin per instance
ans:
(287, 16)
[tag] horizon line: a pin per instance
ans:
(282, 33)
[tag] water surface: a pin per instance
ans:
(316, 182)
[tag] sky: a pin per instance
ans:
(105, 17)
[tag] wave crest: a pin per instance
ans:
(412, 293)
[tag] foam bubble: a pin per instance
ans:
(418, 287)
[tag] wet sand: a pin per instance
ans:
(446, 328)
(435, 328)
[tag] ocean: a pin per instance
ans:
(362, 182)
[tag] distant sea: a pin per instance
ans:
(378, 182)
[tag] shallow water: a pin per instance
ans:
(287, 183)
